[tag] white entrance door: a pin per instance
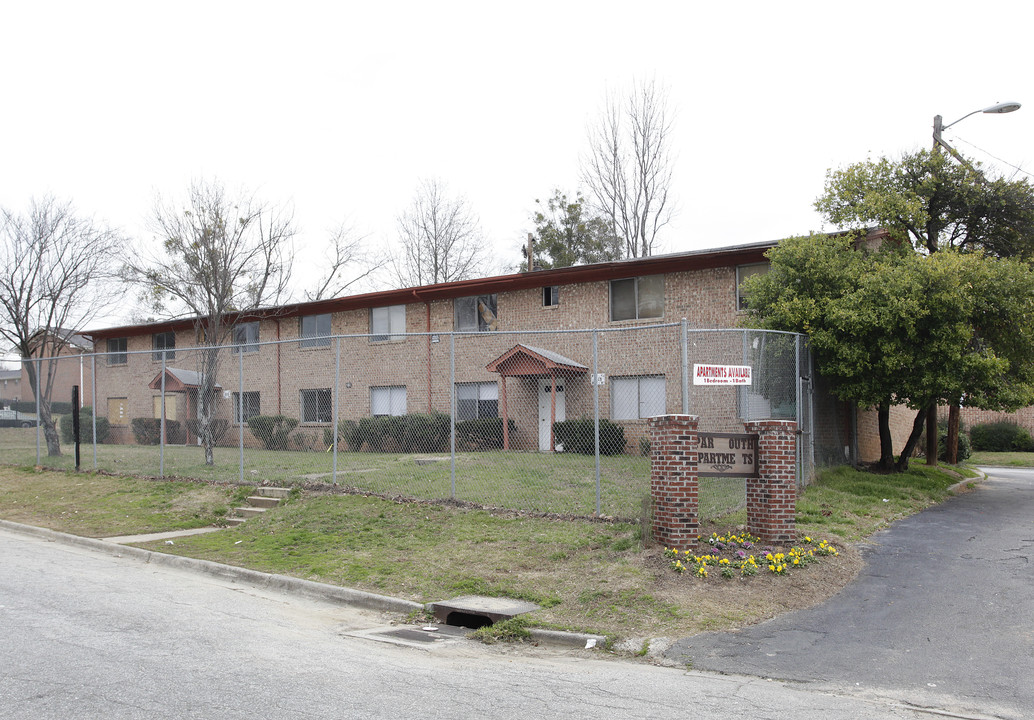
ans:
(545, 414)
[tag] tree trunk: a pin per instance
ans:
(50, 431)
(931, 435)
(45, 419)
(886, 440)
(952, 451)
(913, 440)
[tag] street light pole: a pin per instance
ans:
(952, 441)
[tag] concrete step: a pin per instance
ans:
(262, 501)
(277, 492)
(247, 512)
(232, 521)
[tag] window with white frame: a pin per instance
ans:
(246, 405)
(388, 400)
(636, 396)
(314, 331)
(742, 273)
(551, 296)
(246, 337)
(387, 323)
(477, 400)
(163, 344)
(476, 314)
(637, 298)
(316, 406)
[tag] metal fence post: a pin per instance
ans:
(337, 396)
(161, 432)
(740, 392)
(799, 404)
(452, 411)
(39, 366)
(93, 405)
(685, 366)
(596, 409)
(240, 409)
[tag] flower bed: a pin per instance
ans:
(733, 555)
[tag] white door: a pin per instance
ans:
(545, 414)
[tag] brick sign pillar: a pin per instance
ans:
(772, 497)
(673, 480)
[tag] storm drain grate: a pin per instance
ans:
(415, 637)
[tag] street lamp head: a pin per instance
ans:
(1005, 107)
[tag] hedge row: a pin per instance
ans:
(1000, 437)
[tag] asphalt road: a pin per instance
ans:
(85, 634)
(942, 615)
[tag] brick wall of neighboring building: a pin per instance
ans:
(968, 417)
(901, 418)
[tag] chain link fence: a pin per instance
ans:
(538, 421)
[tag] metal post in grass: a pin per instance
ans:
(240, 409)
(596, 408)
(337, 391)
(39, 367)
(93, 405)
(161, 433)
(685, 366)
(452, 411)
(799, 407)
(746, 405)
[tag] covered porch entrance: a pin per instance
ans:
(551, 371)
(187, 382)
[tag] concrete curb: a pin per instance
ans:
(296, 586)
(283, 583)
(568, 639)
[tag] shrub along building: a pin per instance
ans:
(512, 346)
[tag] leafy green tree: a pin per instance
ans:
(935, 202)
(567, 232)
(891, 326)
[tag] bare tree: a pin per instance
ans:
(440, 238)
(348, 261)
(218, 258)
(55, 266)
(628, 167)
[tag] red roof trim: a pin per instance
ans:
(682, 262)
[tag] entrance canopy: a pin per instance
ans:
(177, 380)
(527, 360)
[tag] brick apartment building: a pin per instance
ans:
(70, 369)
(398, 355)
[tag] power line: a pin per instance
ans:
(1003, 162)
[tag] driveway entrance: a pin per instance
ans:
(941, 616)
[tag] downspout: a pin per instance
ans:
(279, 409)
(427, 305)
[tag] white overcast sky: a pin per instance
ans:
(340, 109)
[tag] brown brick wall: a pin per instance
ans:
(772, 497)
(706, 298)
(674, 486)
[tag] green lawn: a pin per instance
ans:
(587, 575)
(1002, 459)
(556, 483)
